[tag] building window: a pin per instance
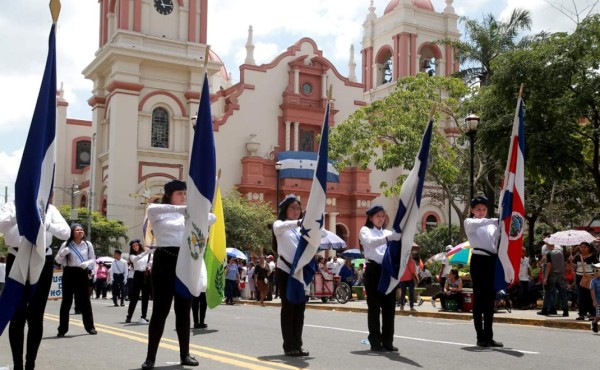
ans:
(82, 154)
(431, 222)
(160, 128)
(307, 88)
(307, 141)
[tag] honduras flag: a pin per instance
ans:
(191, 270)
(303, 268)
(33, 189)
(398, 251)
(511, 213)
(301, 165)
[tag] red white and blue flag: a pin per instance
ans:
(512, 207)
(191, 269)
(33, 189)
(303, 267)
(397, 253)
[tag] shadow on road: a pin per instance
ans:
(292, 361)
(393, 356)
(506, 351)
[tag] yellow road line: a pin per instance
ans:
(194, 348)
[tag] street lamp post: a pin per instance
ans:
(471, 123)
(277, 169)
(74, 190)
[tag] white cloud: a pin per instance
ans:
(9, 166)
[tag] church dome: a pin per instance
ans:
(212, 56)
(421, 4)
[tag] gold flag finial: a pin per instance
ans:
(330, 92)
(219, 174)
(55, 10)
(432, 111)
(206, 56)
(521, 90)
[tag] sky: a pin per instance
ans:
(333, 24)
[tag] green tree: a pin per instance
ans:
(434, 241)
(3, 247)
(106, 234)
(246, 223)
(484, 41)
(388, 132)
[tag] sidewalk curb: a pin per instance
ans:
(548, 323)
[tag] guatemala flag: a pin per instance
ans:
(191, 270)
(33, 189)
(511, 213)
(304, 267)
(398, 251)
(301, 165)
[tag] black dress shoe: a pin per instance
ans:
(377, 349)
(148, 365)
(92, 331)
(61, 334)
(543, 313)
(292, 353)
(200, 326)
(390, 348)
(483, 343)
(493, 343)
(189, 361)
(303, 352)
(128, 319)
(553, 312)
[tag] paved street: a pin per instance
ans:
(248, 336)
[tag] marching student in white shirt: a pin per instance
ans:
(33, 314)
(373, 238)
(118, 274)
(482, 233)
(77, 257)
(140, 258)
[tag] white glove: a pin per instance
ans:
(86, 264)
(65, 251)
(395, 236)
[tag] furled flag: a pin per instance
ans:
(191, 270)
(304, 267)
(301, 165)
(511, 210)
(215, 254)
(398, 251)
(33, 189)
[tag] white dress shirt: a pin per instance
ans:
(119, 267)
(287, 234)
(85, 249)
(168, 223)
(374, 243)
(481, 233)
(54, 222)
(140, 261)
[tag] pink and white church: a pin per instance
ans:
(147, 75)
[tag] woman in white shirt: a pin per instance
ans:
(287, 234)
(168, 223)
(140, 259)
(374, 238)
(77, 257)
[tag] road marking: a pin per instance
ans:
(422, 339)
(195, 349)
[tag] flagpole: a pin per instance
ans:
(521, 90)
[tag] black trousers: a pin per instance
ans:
(118, 287)
(141, 283)
(199, 307)
(33, 314)
(292, 315)
(75, 282)
(484, 295)
(163, 286)
(381, 333)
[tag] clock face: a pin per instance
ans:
(164, 7)
(84, 156)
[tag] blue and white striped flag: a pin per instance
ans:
(301, 165)
(304, 267)
(191, 270)
(33, 189)
(398, 251)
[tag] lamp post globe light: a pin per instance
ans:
(471, 123)
(277, 169)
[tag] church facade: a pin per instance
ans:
(147, 76)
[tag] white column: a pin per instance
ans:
(332, 221)
(296, 81)
(323, 85)
(296, 135)
(287, 135)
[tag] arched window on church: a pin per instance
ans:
(82, 154)
(160, 128)
(431, 222)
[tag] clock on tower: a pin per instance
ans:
(164, 7)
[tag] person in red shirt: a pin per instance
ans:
(101, 275)
(571, 286)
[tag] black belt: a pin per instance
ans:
(121, 274)
(373, 262)
(484, 251)
(286, 262)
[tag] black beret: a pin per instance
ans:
(479, 200)
(174, 185)
(374, 209)
(289, 199)
(134, 241)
